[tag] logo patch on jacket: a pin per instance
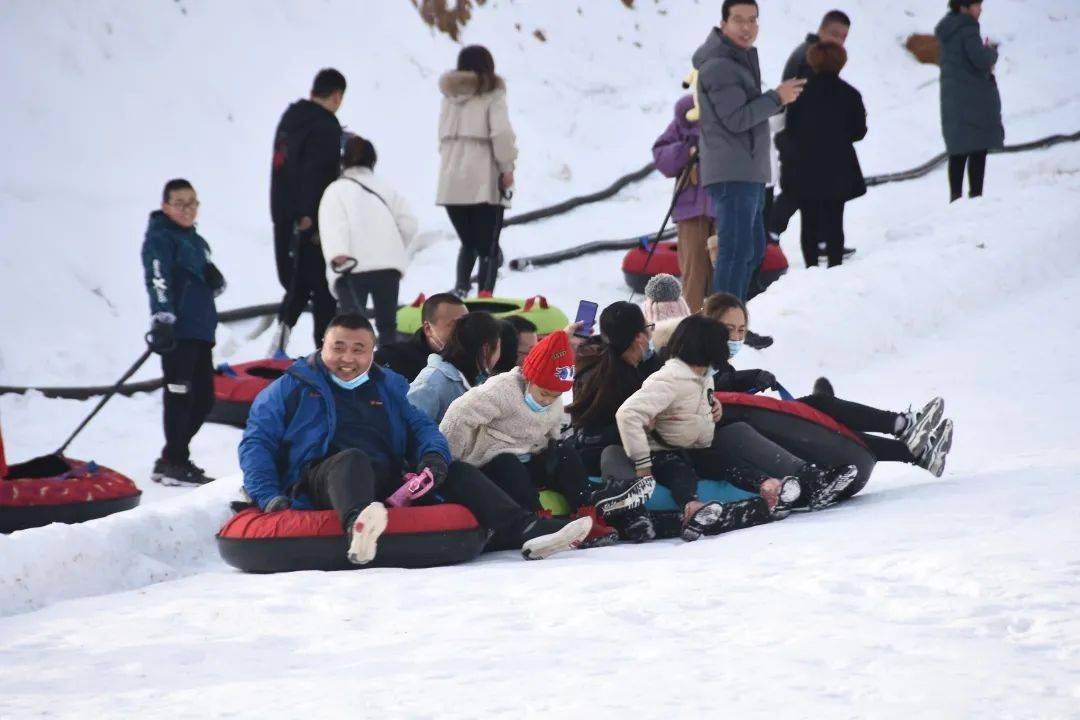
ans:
(375, 403)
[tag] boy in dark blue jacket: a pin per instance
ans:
(182, 283)
(337, 432)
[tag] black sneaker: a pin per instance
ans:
(826, 486)
(758, 342)
(918, 426)
(823, 387)
(185, 474)
(620, 496)
(636, 526)
(937, 450)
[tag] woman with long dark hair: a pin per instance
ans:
(469, 357)
(478, 149)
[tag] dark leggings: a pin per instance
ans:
(560, 470)
(976, 166)
(382, 285)
(348, 482)
(478, 227)
(864, 419)
(823, 222)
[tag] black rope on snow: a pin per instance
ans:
(916, 172)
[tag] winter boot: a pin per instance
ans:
(185, 474)
(601, 534)
(758, 342)
(568, 537)
(917, 426)
(636, 526)
(619, 496)
(364, 533)
(937, 449)
(466, 259)
(823, 387)
(826, 486)
(701, 520)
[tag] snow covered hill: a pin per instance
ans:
(921, 598)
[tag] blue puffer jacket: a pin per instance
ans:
(174, 262)
(292, 423)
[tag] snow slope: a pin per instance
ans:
(921, 598)
(107, 100)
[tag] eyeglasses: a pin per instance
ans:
(193, 205)
(650, 327)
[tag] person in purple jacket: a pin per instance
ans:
(694, 215)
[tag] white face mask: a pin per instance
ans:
(734, 346)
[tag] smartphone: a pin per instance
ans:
(586, 315)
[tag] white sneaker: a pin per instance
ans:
(566, 539)
(369, 525)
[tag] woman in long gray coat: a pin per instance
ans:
(478, 150)
(970, 102)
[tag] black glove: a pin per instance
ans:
(160, 339)
(434, 462)
(765, 380)
(214, 279)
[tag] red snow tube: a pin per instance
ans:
(52, 489)
(803, 431)
(235, 388)
(416, 537)
(666, 260)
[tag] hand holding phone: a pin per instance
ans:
(586, 316)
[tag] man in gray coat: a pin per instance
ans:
(735, 142)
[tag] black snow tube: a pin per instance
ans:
(803, 431)
(293, 540)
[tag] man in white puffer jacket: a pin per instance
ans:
(366, 228)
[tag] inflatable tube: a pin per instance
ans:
(235, 388)
(291, 540)
(666, 260)
(568, 205)
(52, 489)
(589, 248)
(803, 431)
(547, 318)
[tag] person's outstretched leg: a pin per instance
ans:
(861, 418)
(976, 173)
(956, 176)
(346, 483)
(740, 444)
(511, 475)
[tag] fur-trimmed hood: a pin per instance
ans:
(460, 85)
(661, 334)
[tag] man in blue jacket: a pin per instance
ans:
(336, 431)
(182, 283)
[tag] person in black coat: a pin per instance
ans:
(307, 158)
(438, 316)
(822, 128)
(970, 101)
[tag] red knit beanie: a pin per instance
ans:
(551, 363)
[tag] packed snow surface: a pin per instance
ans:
(922, 597)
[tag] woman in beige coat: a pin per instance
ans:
(478, 149)
(674, 412)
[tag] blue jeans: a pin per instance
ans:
(740, 234)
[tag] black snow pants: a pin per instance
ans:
(822, 222)
(382, 285)
(478, 227)
(558, 468)
(976, 167)
(864, 419)
(304, 278)
(188, 395)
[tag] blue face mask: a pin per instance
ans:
(482, 377)
(349, 384)
(533, 404)
(733, 347)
